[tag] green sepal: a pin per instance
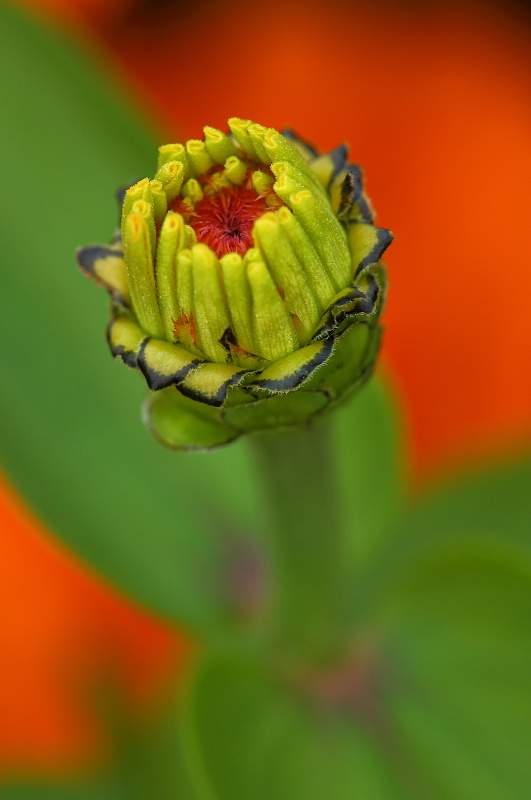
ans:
(209, 382)
(352, 364)
(367, 244)
(294, 369)
(277, 411)
(361, 211)
(125, 338)
(354, 303)
(164, 364)
(106, 266)
(328, 165)
(345, 190)
(183, 424)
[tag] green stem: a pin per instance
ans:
(305, 541)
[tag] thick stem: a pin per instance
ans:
(305, 541)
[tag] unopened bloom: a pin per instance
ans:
(245, 284)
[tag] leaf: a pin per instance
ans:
(451, 604)
(487, 508)
(460, 650)
(496, 502)
(444, 655)
(70, 429)
(249, 735)
(371, 469)
(444, 710)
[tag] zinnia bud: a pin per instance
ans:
(245, 284)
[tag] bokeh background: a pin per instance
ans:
(434, 101)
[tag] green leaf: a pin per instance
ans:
(459, 658)
(70, 429)
(451, 604)
(442, 711)
(495, 502)
(443, 653)
(486, 508)
(248, 734)
(371, 469)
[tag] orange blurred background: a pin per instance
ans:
(434, 100)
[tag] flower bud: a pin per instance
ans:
(246, 284)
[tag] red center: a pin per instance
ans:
(224, 220)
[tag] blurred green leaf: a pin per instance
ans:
(372, 469)
(249, 734)
(495, 502)
(443, 711)
(459, 641)
(485, 508)
(444, 651)
(451, 604)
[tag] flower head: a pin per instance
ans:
(245, 283)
